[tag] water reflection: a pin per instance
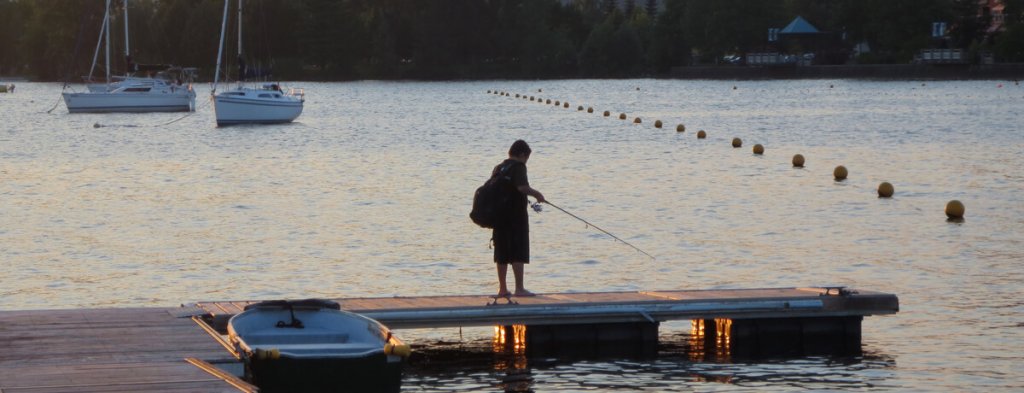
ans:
(709, 340)
(509, 348)
(688, 358)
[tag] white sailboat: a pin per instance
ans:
(265, 103)
(170, 90)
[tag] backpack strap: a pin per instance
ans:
(502, 170)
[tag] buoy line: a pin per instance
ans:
(954, 209)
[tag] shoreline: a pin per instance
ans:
(1005, 71)
(893, 72)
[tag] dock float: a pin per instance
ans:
(769, 321)
(600, 307)
(174, 349)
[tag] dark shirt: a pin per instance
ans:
(517, 202)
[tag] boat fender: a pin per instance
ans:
(267, 354)
(402, 350)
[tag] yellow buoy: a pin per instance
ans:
(798, 161)
(637, 121)
(606, 113)
(737, 142)
(885, 190)
(955, 209)
(758, 149)
(840, 172)
(622, 116)
(579, 108)
(657, 124)
(590, 109)
(701, 134)
(680, 128)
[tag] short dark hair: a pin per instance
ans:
(518, 148)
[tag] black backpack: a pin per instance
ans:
(490, 199)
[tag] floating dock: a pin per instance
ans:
(110, 350)
(181, 349)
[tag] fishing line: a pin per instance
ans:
(536, 207)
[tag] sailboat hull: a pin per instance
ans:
(128, 102)
(247, 110)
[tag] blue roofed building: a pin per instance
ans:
(801, 43)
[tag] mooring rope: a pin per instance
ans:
(98, 125)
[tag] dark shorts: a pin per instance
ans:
(511, 244)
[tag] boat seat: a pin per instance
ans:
(292, 336)
(325, 349)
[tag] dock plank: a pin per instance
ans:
(106, 350)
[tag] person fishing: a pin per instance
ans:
(511, 236)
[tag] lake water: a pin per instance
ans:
(367, 194)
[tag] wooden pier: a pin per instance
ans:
(179, 349)
(110, 350)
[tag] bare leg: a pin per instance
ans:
(517, 271)
(502, 271)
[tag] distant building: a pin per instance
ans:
(801, 43)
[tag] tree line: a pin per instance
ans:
(455, 39)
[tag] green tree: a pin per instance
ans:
(669, 46)
(12, 16)
(1009, 45)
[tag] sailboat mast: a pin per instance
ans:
(99, 42)
(107, 49)
(220, 49)
(127, 53)
(239, 31)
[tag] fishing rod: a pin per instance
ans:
(598, 228)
